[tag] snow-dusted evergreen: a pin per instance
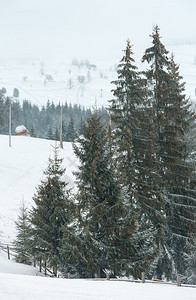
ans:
(49, 214)
(134, 209)
(22, 241)
(173, 119)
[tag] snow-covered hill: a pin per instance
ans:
(15, 285)
(60, 81)
(57, 81)
(21, 169)
(11, 267)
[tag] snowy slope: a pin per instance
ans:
(18, 287)
(25, 74)
(21, 169)
(11, 267)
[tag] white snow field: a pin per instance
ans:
(15, 286)
(20, 287)
(21, 169)
(11, 267)
(30, 75)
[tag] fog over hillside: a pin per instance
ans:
(82, 82)
(98, 29)
(52, 33)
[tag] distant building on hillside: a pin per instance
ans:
(21, 130)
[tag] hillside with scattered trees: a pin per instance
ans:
(134, 209)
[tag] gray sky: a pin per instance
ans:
(93, 29)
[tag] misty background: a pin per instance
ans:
(96, 29)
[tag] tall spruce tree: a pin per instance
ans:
(50, 213)
(134, 138)
(108, 226)
(172, 118)
(178, 171)
(157, 78)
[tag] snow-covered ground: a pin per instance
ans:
(16, 285)
(20, 287)
(21, 169)
(29, 77)
(11, 267)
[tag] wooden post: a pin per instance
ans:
(40, 265)
(178, 280)
(108, 276)
(68, 275)
(61, 130)
(8, 252)
(143, 277)
(45, 271)
(10, 124)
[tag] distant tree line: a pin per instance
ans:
(44, 122)
(135, 205)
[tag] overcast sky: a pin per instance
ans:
(93, 29)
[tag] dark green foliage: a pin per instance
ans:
(42, 119)
(71, 132)
(50, 214)
(190, 261)
(134, 139)
(177, 170)
(173, 118)
(57, 134)
(109, 236)
(50, 134)
(81, 131)
(32, 132)
(22, 242)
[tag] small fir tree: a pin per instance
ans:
(172, 118)
(22, 242)
(50, 213)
